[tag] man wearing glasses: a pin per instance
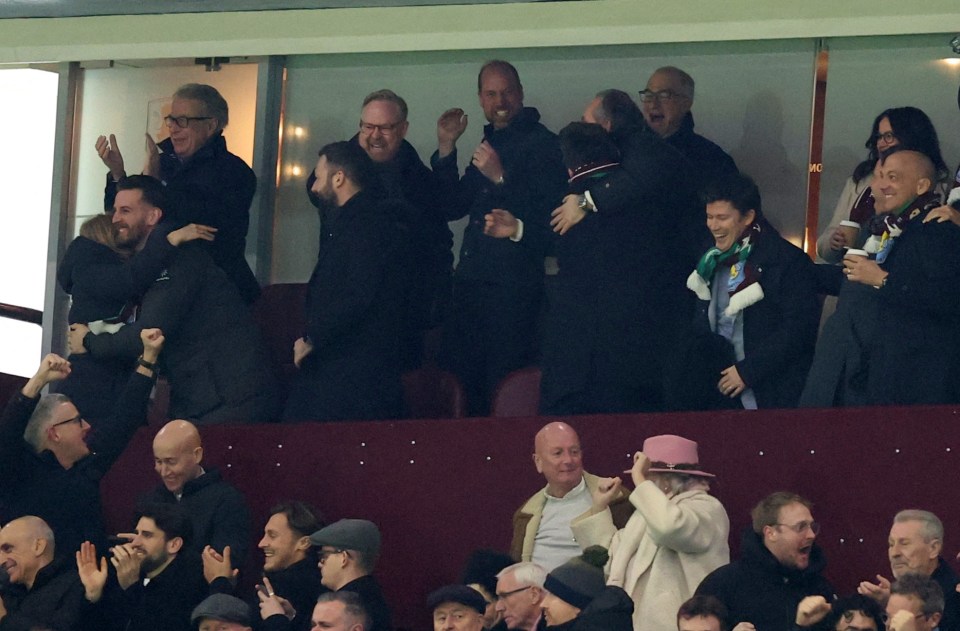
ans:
(348, 553)
(779, 566)
(666, 104)
(520, 596)
(205, 183)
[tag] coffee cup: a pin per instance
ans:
(850, 231)
(855, 252)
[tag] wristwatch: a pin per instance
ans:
(584, 204)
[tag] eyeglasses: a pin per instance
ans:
(183, 121)
(887, 137)
(504, 595)
(648, 96)
(886, 617)
(326, 553)
(386, 130)
(802, 526)
(76, 419)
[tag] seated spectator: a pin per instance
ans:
(758, 293)
(578, 600)
(340, 611)
(675, 537)
(914, 282)
(349, 357)
(779, 566)
(702, 613)
(205, 183)
(51, 594)
(218, 511)
(221, 612)
(48, 468)
(159, 580)
(914, 547)
(457, 608)
(844, 614)
(480, 574)
(349, 549)
(915, 604)
(520, 596)
(290, 571)
(541, 527)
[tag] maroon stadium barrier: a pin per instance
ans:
(439, 489)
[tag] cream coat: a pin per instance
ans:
(667, 547)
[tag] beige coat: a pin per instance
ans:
(667, 547)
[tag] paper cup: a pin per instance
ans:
(850, 231)
(855, 252)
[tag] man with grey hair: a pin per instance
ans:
(914, 546)
(52, 595)
(47, 468)
(666, 103)
(520, 595)
(915, 604)
(205, 183)
(340, 611)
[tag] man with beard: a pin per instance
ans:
(779, 566)
(159, 580)
(291, 575)
(214, 357)
(349, 356)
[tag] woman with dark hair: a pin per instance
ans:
(904, 127)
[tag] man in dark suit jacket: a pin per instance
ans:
(349, 357)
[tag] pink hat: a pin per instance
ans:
(673, 454)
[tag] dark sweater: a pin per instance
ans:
(55, 601)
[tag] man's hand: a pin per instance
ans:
(941, 214)
(301, 348)
(812, 610)
(500, 224)
(730, 384)
(75, 338)
(860, 269)
(450, 126)
(640, 469)
(879, 591)
(903, 620)
(190, 232)
(271, 604)
(216, 565)
(92, 575)
(151, 163)
(152, 344)
(744, 626)
(606, 491)
(837, 240)
(52, 368)
(487, 161)
(109, 152)
(567, 215)
(127, 563)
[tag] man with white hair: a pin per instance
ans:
(914, 547)
(520, 595)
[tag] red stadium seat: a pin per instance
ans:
(518, 394)
(429, 392)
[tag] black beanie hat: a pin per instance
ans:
(579, 580)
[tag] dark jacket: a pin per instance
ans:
(947, 579)
(371, 596)
(758, 589)
(780, 331)
(708, 159)
(534, 184)
(213, 187)
(353, 317)
(165, 603)
(55, 601)
(67, 499)
(611, 610)
(218, 512)
(213, 355)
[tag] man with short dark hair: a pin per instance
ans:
(206, 183)
(50, 593)
(340, 611)
(915, 604)
(214, 357)
(514, 179)
(348, 553)
(457, 608)
(159, 579)
(349, 357)
(779, 565)
(702, 613)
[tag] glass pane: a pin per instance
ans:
(21, 347)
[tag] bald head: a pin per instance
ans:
(900, 178)
(177, 452)
(557, 455)
(26, 547)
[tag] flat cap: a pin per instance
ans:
(349, 534)
(460, 594)
(222, 607)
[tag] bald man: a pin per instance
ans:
(895, 337)
(541, 527)
(217, 510)
(52, 595)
